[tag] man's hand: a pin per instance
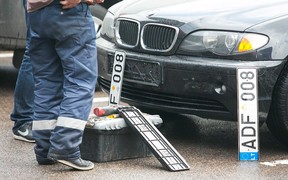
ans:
(69, 3)
(72, 3)
(99, 1)
(92, 2)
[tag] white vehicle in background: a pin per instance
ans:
(13, 28)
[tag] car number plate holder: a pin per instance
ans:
(117, 78)
(247, 98)
(157, 143)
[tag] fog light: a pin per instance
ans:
(221, 89)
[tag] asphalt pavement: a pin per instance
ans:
(210, 148)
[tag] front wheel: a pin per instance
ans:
(277, 121)
(98, 12)
(17, 57)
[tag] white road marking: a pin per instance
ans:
(6, 55)
(275, 163)
(102, 99)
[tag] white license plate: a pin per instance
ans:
(117, 78)
(247, 96)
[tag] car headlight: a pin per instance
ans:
(107, 30)
(222, 42)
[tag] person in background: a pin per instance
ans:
(64, 60)
(22, 113)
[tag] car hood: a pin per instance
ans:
(204, 14)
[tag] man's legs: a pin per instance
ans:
(48, 76)
(24, 95)
(62, 114)
(79, 62)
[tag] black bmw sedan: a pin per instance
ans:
(182, 56)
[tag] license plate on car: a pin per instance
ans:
(117, 78)
(247, 96)
(138, 71)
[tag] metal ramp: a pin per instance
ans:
(157, 143)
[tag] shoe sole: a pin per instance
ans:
(67, 163)
(23, 139)
(48, 162)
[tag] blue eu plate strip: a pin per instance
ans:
(248, 156)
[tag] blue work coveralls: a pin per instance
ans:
(64, 60)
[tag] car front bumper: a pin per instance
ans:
(182, 84)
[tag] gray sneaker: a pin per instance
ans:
(78, 164)
(45, 161)
(24, 133)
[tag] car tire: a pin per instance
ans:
(17, 57)
(98, 12)
(277, 121)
